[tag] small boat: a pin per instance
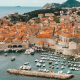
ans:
(75, 65)
(13, 58)
(65, 64)
(62, 63)
(77, 69)
(40, 70)
(50, 66)
(26, 63)
(58, 60)
(57, 67)
(44, 70)
(68, 72)
(21, 67)
(47, 71)
(16, 51)
(38, 65)
(72, 68)
(56, 63)
(32, 52)
(62, 67)
(43, 58)
(42, 61)
(60, 72)
(43, 65)
(64, 58)
(28, 68)
(50, 62)
(36, 60)
(5, 54)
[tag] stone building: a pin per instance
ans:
(13, 44)
(49, 14)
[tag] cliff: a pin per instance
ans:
(52, 5)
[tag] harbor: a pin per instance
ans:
(42, 58)
(40, 74)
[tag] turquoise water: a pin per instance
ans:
(20, 10)
(6, 63)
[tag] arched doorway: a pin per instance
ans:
(20, 46)
(9, 46)
(15, 46)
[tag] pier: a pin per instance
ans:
(40, 74)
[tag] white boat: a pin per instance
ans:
(26, 63)
(72, 68)
(13, 58)
(47, 71)
(58, 60)
(56, 63)
(44, 65)
(62, 63)
(77, 69)
(28, 68)
(75, 65)
(24, 67)
(68, 72)
(44, 70)
(42, 61)
(60, 72)
(36, 60)
(21, 67)
(62, 67)
(38, 65)
(57, 67)
(52, 67)
(43, 58)
(64, 58)
(5, 54)
(27, 51)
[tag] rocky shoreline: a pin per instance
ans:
(40, 74)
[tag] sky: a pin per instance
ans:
(28, 2)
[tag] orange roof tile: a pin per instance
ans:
(16, 39)
(40, 42)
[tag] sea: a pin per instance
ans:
(20, 10)
(6, 63)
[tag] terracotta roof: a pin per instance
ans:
(7, 40)
(1, 37)
(16, 39)
(40, 42)
(66, 35)
(51, 44)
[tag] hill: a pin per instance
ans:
(52, 5)
(68, 3)
(26, 16)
